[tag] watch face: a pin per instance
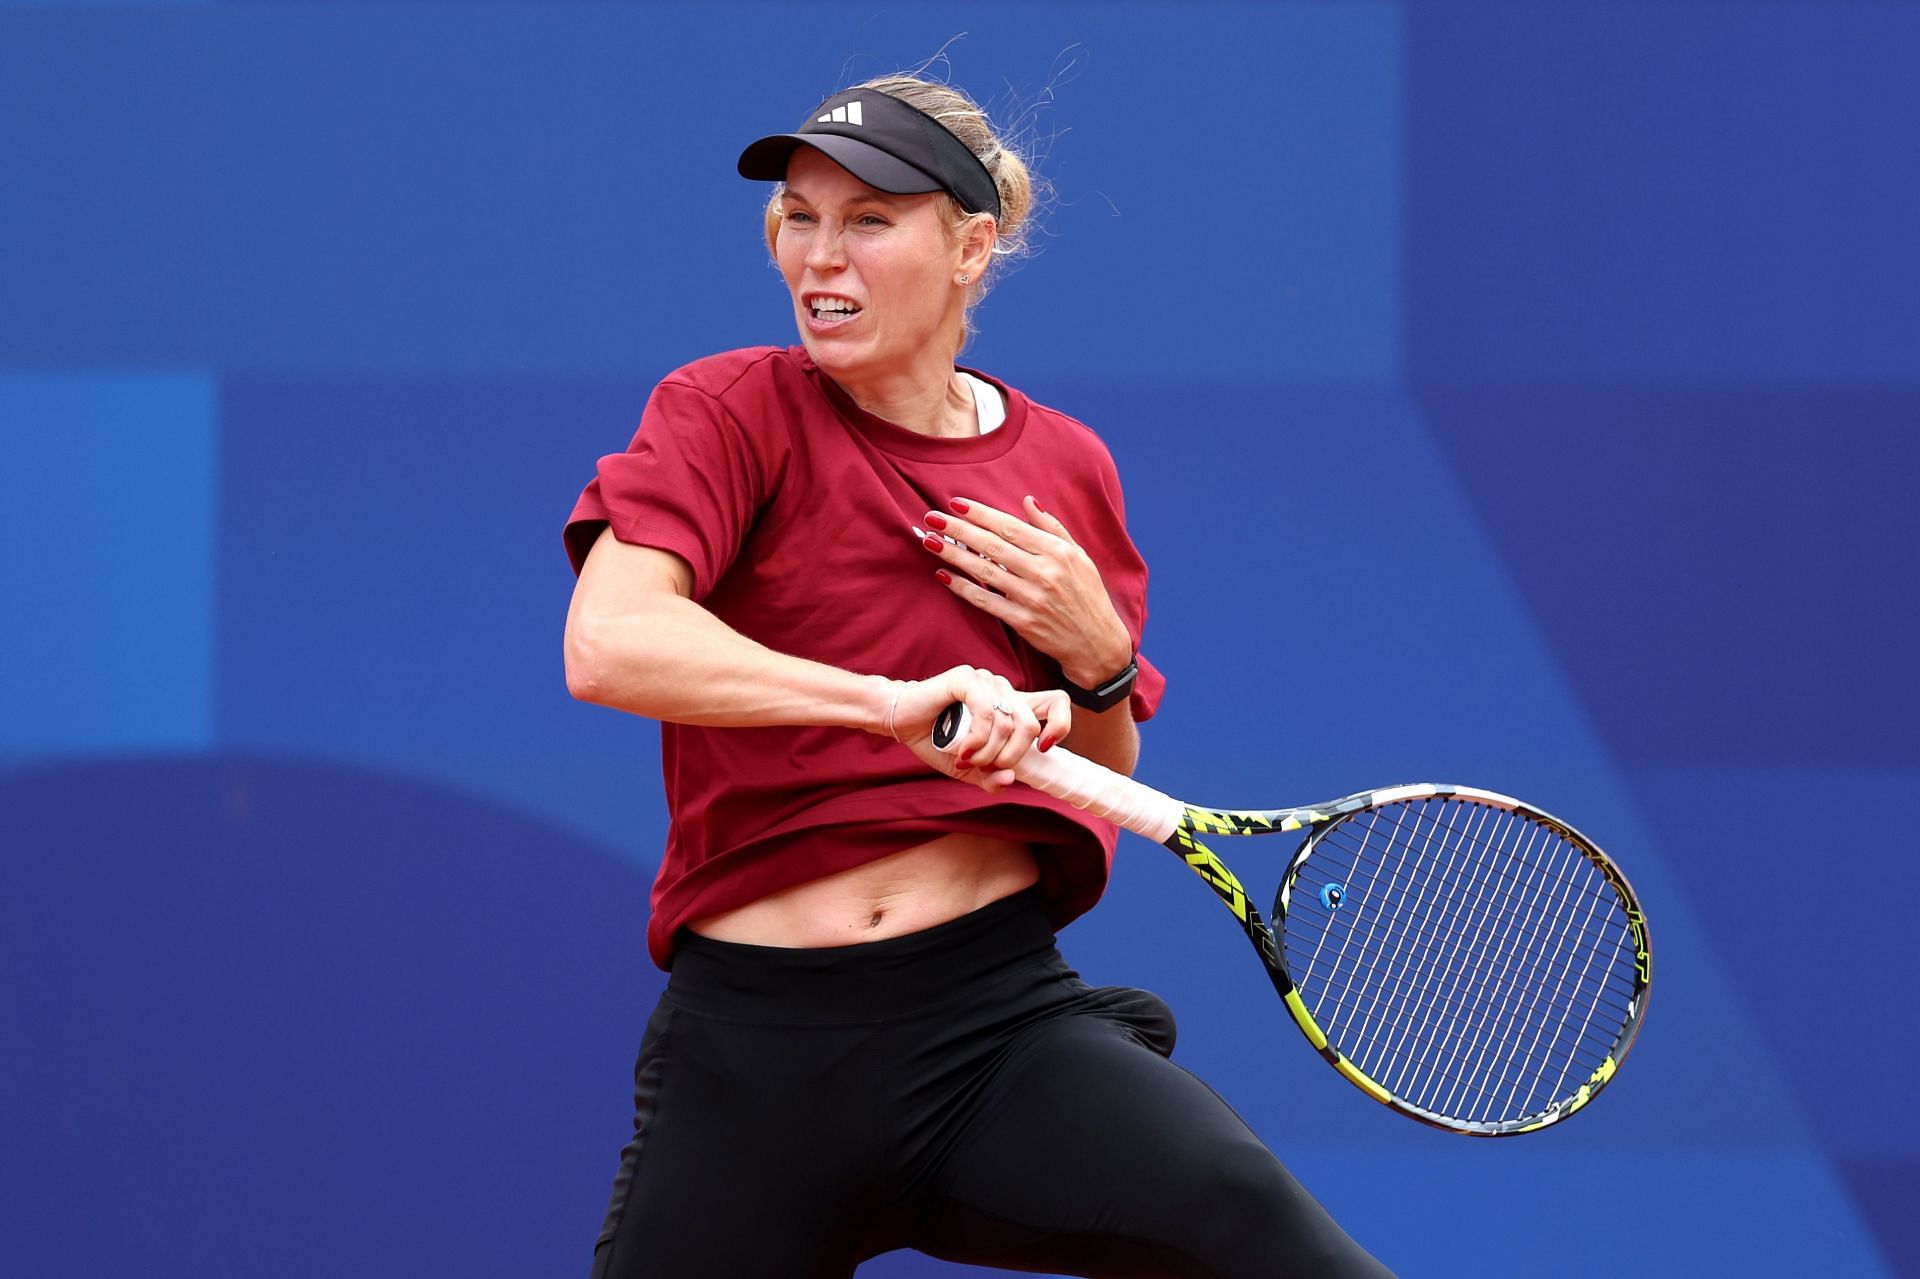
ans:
(1107, 695)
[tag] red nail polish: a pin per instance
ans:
(1036, 504)
(958, 507)
(1046, 743)
(946, 578)
(933, 544)
(936, 520)
(965, 761)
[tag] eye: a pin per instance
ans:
(798, 215)
(871, 220)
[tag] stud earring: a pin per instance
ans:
(965, 279)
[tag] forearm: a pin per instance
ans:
(1107, 737)
(673, 660)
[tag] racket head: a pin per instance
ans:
(1462, 956)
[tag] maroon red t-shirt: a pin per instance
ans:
(793, 508)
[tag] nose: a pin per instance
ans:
(824, 251)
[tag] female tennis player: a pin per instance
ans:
(868, 1040)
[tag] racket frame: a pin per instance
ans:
(1178, 826)
(1268, 939)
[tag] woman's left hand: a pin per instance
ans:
(1033, 576)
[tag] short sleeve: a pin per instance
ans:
(691, 483)
(1148, 686)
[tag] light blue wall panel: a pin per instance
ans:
(107, 494)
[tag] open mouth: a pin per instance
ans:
(827, 309)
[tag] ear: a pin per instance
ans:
(977, 239)
(771, 217)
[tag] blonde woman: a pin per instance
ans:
(868, 1040)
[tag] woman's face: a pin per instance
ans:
(873, 276)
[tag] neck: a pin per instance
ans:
(942, 407)
(926, 397)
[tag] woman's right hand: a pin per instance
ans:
(1006, 723)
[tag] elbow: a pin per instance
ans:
(586, 663)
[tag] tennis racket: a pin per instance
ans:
(1460, 956)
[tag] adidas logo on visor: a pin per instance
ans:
(849, 114)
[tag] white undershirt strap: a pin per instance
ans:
(988, 405)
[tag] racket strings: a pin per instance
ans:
(1613, 995)
(1305, 911)
(1483, 1058)
(1482, 1061)
(1476, 949)
(1304, 907)
(1407, 1072)
(1508, 970)
(1396, 1001)
(1562, 963)
(1505, 861)
(1475, 965)
(1478, 1054)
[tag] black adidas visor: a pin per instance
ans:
(885, 143)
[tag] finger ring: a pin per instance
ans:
(1003, 708)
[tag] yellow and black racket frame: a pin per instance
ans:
(1317, 821)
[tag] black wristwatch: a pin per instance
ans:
(1105, 695)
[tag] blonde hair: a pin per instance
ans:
(967, 121)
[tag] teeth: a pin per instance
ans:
(833, 304)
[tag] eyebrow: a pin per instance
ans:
(876, 197)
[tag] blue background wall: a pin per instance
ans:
(1518, 393)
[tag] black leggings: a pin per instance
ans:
(959, 1091)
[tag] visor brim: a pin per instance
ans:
(766, 161)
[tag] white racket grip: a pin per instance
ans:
(1098, 789)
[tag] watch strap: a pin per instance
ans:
(1105, 695)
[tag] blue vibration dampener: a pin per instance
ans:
(1331, 895)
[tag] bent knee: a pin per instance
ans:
(1249, 1198)
(1245, 1192)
